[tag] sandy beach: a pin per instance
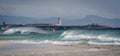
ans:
(15, 49)
(3, 43)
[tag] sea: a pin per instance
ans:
(33, 35)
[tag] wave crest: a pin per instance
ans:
(78, 35)
(24, 30)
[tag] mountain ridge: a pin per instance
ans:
(115, 22)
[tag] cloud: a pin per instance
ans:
(63, 8)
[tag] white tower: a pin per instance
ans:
(59, 21)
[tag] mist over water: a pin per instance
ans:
(34, 35)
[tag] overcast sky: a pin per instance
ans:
(62, 8)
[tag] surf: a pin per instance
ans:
(66, 37)
(92, 37)
(25, 30)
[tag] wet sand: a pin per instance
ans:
(2, 43)
(13, 49)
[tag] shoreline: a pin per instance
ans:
(15, 49)
(3, 43)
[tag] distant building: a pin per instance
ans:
(4, 24)
(95, 26)
(42, 24)
(59, 22)
(57, 26)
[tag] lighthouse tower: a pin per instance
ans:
(59, 21)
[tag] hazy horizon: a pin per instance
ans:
(66, 9)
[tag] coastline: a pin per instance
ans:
(3, 43)
(57, 50)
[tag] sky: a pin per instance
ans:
(69, 9)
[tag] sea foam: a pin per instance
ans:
(76, 35)
(24, 30)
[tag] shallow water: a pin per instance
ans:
(38, 36)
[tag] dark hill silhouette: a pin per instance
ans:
(114, 22)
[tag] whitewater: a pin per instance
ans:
(33, 35)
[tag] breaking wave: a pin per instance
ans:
(48, 42)
(82, 37)
(66, 42)
(94, 38)
(24, 30)
(77, 35)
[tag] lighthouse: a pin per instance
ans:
(59, 21)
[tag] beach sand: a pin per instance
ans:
(2, 43)
(13, 49)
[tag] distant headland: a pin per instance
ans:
(59, 26)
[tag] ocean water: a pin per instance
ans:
(32, 35)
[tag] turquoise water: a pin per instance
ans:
(63, 37)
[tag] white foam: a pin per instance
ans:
(75, 37)
(47, 42)
(24, 30)
(71, 35)
(65, 42)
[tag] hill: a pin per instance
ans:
(114, 22)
